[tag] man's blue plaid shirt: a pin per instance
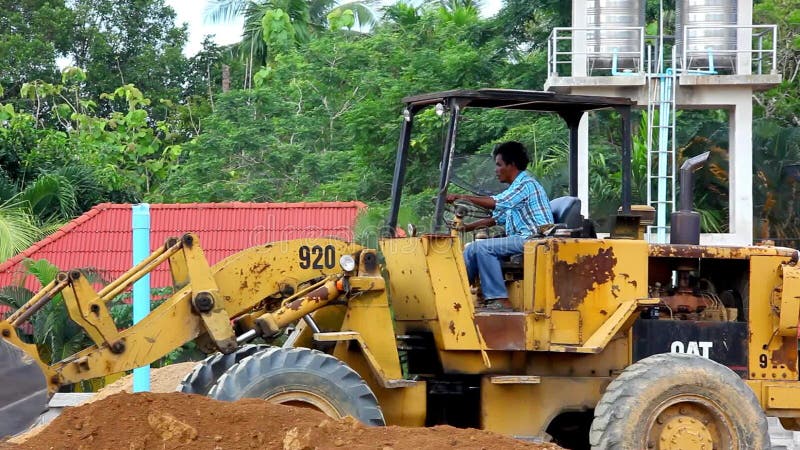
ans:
(523, 207)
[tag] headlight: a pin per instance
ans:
(347, 263)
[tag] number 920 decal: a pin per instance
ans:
(317, 257)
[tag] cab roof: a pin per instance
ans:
(518, 99)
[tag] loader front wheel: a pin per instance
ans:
(301, 377)
(206, 373)
(674, 401)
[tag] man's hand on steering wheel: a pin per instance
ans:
(453, 197)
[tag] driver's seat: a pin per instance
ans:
(566, 212)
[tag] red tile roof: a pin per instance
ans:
(101, 237)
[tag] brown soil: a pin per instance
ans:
(182, 421)
(162, 379)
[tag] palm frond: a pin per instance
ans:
(364, 15)
(402, 14)
(50, 195)
(14, 296)
(84, 181)
(224, 11)
(42, 269)
(18, 229)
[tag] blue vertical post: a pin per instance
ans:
(141, 288)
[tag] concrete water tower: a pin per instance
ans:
(716, 60)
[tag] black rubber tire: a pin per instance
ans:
(655, 392)
(206, 373)
(301, 376)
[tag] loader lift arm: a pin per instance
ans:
(236, 288)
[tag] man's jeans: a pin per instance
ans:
(483, 257)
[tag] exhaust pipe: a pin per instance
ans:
(685, 227)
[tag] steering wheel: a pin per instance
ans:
(459, 210)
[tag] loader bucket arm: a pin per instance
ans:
(235, 286)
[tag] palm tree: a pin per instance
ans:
(402, 13)
(220, 11)
(305, 17)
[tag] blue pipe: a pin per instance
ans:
(141, 288)
(614, 70)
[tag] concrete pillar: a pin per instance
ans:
(741, 169)
(579, 38)
(579, 70)
(583, 164)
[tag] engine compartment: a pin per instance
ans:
(697, 289)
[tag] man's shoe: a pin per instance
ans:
(498, 305)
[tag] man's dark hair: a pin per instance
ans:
(512, 152)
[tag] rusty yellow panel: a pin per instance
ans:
(782, 396)
(246, 277)
(790, 301)
(718, 252)
(454, 308)
(770, 357)
(524, 410)
(502, 331)
(412, 296)
(593, 276)
(566, 327)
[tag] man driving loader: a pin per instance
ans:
(523, 209)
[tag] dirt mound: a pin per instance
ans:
(176, 421)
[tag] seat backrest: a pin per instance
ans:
(567, 210)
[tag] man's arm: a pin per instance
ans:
(478, 224)
(484, 202)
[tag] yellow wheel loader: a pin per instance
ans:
(613, 343)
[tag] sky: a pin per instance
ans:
(191, 12)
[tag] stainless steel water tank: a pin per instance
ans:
(609, 15)
(709, 14)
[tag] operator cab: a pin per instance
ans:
(462, 167)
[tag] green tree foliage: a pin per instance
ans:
(32, 34)
(776, 182)
(332, 132)
(781, 102)
(120, 42)
(284, 22)
(62, 158)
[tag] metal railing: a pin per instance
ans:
(562, 53)
(561, 50)
(758, 54)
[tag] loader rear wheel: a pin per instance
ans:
(206, 373)
(674, 401)
(301, 377)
